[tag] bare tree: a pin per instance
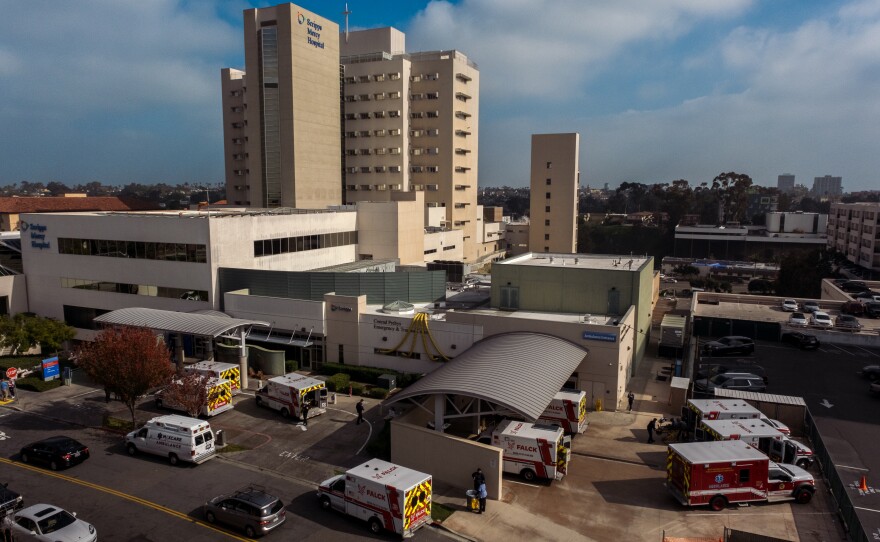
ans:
(128, 361)
(189, 392)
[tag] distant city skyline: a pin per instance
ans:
(658, 90)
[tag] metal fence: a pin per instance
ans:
(845, 508)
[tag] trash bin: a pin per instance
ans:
(219, 439)
(473, 501)
(68, 376)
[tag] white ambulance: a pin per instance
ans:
(218, 398)
(532, 450)
(385, 495)
(760, 435)
(176, 437)
(287, 394)
(568, 410)
(217, 369)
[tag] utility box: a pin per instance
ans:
(389, 382)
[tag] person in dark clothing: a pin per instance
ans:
(479, 478)
(629, 399)
(305, 413)
(360, 410)
(652, 426)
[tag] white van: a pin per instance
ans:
(176, 437)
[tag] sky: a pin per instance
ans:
(121, 91)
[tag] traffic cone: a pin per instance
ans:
(863, 483)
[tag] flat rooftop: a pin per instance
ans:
(209, 213)
(604, 262)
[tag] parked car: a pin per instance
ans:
(10, 501)
(778, 425)
(55, 452)
(848, 322)
(251, 509)
(731, 381)
(810, 306)
(709, 367)
(730, 346)
(854, 287)
(868, 295)
(821, 319)
(789, 305)
(854, 308)
(872, 310)
(50, 523)
(669, 279)
(871, 372)
(798, 319)
(874, 387)
(801, 340)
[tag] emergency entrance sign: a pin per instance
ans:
(50, 368)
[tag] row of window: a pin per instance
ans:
(135, 289)
(175, 252)
(379, 77)
(270, 247)
(375, 96)
(370, 152)
(369, 133)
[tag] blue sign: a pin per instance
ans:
(50, 368)
(596, 336)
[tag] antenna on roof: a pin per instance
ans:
(346, 13)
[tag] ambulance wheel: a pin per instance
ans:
(250, 532)
(285, 413)
(718, 503)
(325, 503)
(804, 464)
(173, 459)
(131, 449)
(803, 495)
(210, 517)
(375, 526)
(259, 401)
(528, 475)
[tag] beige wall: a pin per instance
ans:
(14, 287)
(516, 237)
(554, 161)
(360, 42)
(232, 83)
(392, 230)
(341, 314)
(419, 448)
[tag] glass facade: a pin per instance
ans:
(270, 247)
(174, 252)
(271, 117)
(135, 289)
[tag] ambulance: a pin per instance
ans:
(760, 435)
(386, 496)
(724, 472)
(175, 437)
(726, 409)
(532, 450)
(286, 394)
(218, 400)
(568, 410)
(216, 369)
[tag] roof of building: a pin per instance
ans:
(208, 325)
(60, 204)
(520, 371)
(580, 261)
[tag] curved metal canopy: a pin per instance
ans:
(207, 325)
(520, 371)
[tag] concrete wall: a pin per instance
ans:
(284, 314)
(360, 42)
(448, 459)
(554, 182)
(392, 230)
(14, 287)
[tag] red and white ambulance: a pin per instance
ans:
(286, 394)
(760, 435)
(719, 473)
(568, 410)
(385, 495)
(532, 450)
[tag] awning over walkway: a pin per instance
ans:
(520, 371)
(207, 325)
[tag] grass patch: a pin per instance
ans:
(440, 512)
(117, 424)
(232, 448)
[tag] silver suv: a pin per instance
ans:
(251, 509)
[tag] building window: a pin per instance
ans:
(546, 249)
(548, 182)
(548, 195)
(284, 245)
(177, 252)
(187, 294)
(547, 222)
(546, 236)
(549, 165)
(547, 209)
(82, 317)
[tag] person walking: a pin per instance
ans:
(629, 399)
(479, 479)
(12, 387)
(652, 426)
(360, 410)
(482, 494)
(4, 389)
(305, 413)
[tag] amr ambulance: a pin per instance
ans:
(726, 409)
(568, 410)
(385, 495)
(759, 435)
(176, 437)
(286, 394)
(719, 473)
(216, 369)
(532, 450)
(218, 398)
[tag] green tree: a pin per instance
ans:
(128, 361)
(801, 274)
(27, 330)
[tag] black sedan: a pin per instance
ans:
(801, 340)
(55, 452)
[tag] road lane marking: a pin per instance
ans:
(866, 350)
(84, 393)
(120, 494)
(839, 348)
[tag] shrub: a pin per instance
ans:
(290, 366)
(338, 382)
(357, 388)
(33, 383)
(368, 375)
(377, 393)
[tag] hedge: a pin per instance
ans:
(338, 382)
(290, 366)
(357, 388)
(33, 383)
(368, 375)
(377, 393)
